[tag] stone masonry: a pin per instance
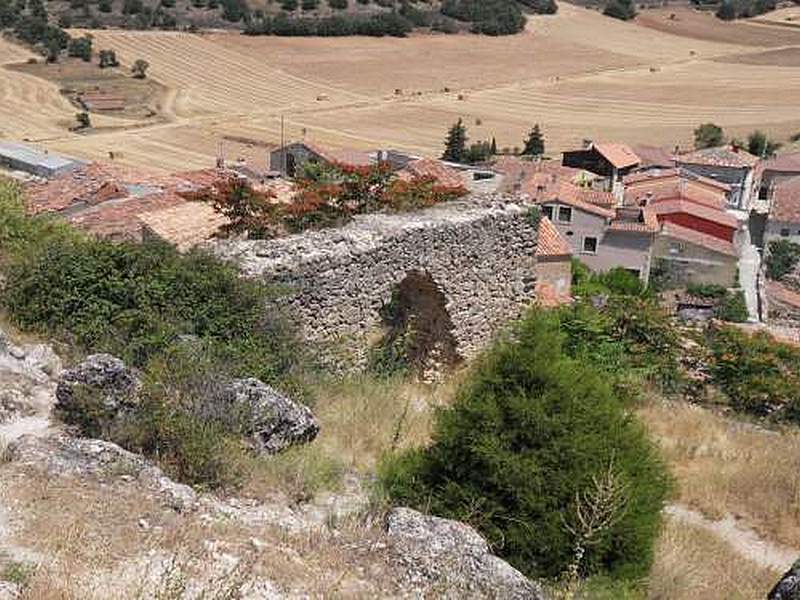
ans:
(480, 252)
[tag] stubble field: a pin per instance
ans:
(579, 74)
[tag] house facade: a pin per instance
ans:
(553, 266)
(610, 161)
(290, 159)
(684, 256)
(783, 221)
(600, 237)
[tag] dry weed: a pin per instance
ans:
(691, 564)
(724, 466)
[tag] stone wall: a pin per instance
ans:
(480, 252)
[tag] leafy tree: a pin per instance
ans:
(534, 145)
(708, 135)
(81, 47)
(84, 122)
(139, 68)
(760, 145)
(479, 152)
(108, 58)
(625, 10)
(456, 143)
(782, 258)
(726, 10)
(132, 7)
(528, 433)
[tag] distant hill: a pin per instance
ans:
(273, 17)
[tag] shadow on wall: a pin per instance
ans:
(418, 329)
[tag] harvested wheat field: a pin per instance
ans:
(579, 74)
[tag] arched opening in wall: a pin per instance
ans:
(418, 329)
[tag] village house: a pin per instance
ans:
(290, 159)
(645, 187)
(653, 157)
(727, 164)
(610, 161)
(39, 163)
(601, 235)
(684, 256)
(553, 266)
(783, 221)
(107, 200)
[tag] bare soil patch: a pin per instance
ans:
(703, 25)
(784, 57)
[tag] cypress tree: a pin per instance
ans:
(456, 143)
(534, 145)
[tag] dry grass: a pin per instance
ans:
(727, 467)
(691, 564)
(638, 82)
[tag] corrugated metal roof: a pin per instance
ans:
(36, 157)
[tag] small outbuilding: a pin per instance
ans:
(22, 157)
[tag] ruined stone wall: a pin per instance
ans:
(480, 252)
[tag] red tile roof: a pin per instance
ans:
(653, 156)
(673, 173)
(786, 201)
(700, 211)
(354, 158)
(429, 167)
(184, 225)
(787, 163)
(698, 238)
(647, 222)
(577, 197)
(723, 156)
(619, 155)
(551, 242)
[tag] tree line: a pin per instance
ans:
(459, 150)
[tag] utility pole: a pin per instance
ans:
(283, 149)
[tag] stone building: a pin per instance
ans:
(685, 256)
(727, 164)
(464, 268)
(553, 266)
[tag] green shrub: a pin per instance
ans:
(760, 376)
(528, 431)
(707, 290)
(782, 258)
(733, 308)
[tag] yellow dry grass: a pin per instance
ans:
(724, 466)
(691, 564)
(578, 74)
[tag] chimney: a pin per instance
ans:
(587, 143)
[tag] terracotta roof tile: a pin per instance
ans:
(646, 222)
(700, 211)
(355, 158)
(653, 156)
(551, 242)
(429, 167)
(698, 238)
(184, 225)
(787, 163)
(786, 201)
(619, 155)
(723, 156)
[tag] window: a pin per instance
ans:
(564, 214)
(784, 233)
(547, 211)
(590, 245)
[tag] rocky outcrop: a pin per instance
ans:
(61, 455)
(788, 588)
(451, 557)
(275, 422)
(101, 373)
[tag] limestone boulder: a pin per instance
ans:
(452, 558)
(107, 379)
(788, 588)
(274, 421)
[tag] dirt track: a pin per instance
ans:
(578, 74)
